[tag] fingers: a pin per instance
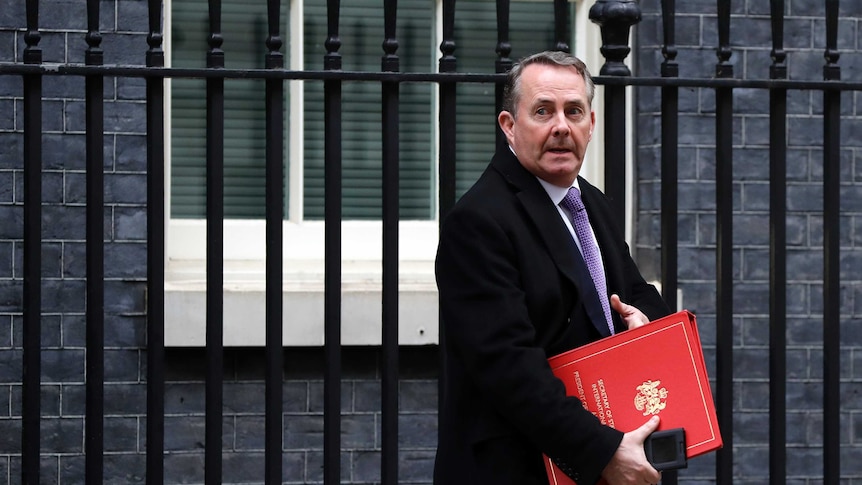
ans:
(632, 317)
(617, 305)
(647, 428)
(629, 464)
(644, 431)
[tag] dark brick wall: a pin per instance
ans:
(63, 329)
(752, 42)
(303, 415)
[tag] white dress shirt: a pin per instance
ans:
(557, 194)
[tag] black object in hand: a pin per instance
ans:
(665, 449)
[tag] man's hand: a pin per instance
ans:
(632, 317)
(629, 465)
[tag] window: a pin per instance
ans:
(244, 30)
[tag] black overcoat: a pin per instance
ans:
(514, 291)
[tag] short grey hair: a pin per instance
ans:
(512, 88)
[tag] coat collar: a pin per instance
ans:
(554, 233)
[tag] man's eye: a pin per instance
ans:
(575, 112)
(541, 111)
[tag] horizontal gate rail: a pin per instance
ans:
(412, 77)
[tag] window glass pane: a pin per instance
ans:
(361, 34)
(244, 29)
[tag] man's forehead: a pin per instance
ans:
(565, 95)
(553, 79)
(537, 69)
(569, 98)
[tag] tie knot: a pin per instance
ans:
(572, 200)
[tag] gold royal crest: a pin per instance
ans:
(650, 398)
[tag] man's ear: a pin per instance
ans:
(507, 122)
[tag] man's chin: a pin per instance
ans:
(563, 166)
(561, 158)
(561, 178)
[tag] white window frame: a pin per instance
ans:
(303, 275)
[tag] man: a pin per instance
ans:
(514, 290)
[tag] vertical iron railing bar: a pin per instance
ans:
(724, 247)
(669, 159)
(831, 253)
(31, 404)
(446, 152)
(669, 173)
(503, 64)
(615, 18)
(447, 117)
(274, 374)
(95, 244)
(777, 253)
(391, 201)
(215, 252)
(155, 251)
(332, 183)
(561, 25)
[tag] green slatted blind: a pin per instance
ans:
(531, 29)
(244, 30)
(361, 34)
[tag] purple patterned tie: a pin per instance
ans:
(572, 202)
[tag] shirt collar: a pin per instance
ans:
(557, 193)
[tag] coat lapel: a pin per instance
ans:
(556, 236)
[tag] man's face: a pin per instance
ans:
(553, 125)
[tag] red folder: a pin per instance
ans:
(625, 379)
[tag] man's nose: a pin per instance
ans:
(561, 125)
